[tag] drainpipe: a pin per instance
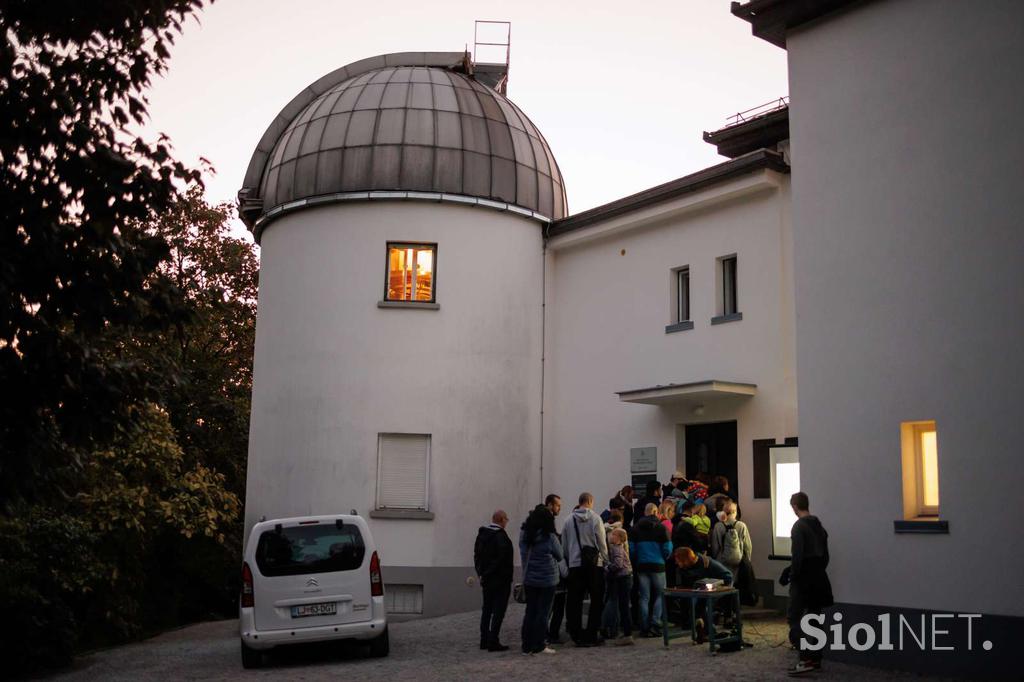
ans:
(543, 346)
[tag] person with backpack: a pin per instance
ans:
(730, 539)
(731, 545)
(492, 557)
(585, 546)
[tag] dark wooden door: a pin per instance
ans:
(711, 448)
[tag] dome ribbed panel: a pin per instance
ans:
(414, 129)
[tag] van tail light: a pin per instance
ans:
(376, 581)
(248, 596)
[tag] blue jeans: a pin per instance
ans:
(616, 608)
(535, 622)
(651, 585)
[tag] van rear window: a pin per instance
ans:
(320, 548)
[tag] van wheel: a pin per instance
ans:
(251, 658)
(380, 646)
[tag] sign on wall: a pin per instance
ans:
(643, 460)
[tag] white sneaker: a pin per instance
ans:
(548, 650)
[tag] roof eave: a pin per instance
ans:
(771, 20)
(748, 163)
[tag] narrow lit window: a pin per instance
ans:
(411, 269)
(920, 470)
(682, 294)
(729, 286)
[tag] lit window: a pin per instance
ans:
(729, 286)
(411, 270)
(682, 294)
(403, 470)
(920, 447)
(784, 468)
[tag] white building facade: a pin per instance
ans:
(906, 149)
(534, 353)
(861, 307)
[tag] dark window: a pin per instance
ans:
(762, 468)
(729, 286)
(411, 270)
(682, 294)
(319, 548)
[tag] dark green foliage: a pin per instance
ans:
(73, 181)
(127, 314)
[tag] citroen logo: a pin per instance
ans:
(312, 582)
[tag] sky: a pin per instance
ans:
(621, 92)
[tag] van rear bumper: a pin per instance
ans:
(268, 639)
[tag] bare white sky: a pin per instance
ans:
(621, 91)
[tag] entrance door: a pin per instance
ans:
(711, 448)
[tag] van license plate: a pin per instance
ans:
(328, 609)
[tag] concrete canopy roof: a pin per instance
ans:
(694, 392)
(415, 122)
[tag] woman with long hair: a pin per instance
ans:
(540, 551)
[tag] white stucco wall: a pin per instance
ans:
(906, 148)
(332, 370)
(606, 318)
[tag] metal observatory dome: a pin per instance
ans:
(402, 126)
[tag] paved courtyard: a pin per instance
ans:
(446, 649)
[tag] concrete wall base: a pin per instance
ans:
(444, 588)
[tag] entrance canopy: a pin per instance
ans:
(694, 392)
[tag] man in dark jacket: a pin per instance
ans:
(809, 587)
(492, 556)
(653, 496)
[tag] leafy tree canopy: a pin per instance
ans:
(74, 187)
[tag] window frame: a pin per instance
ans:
(730, 296)
(380, 473)
(911, 437)
(682, 301)
(394, 244)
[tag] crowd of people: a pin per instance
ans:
(622, 560)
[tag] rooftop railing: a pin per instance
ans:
(760, 110)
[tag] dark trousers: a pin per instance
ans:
(557, 615)
(584, 580)
(535, 621)
(616, 610)
(495, 603)
(799, 605)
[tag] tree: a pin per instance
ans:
(209, 354)
(73, 182)
(92, 569)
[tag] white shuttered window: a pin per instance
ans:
(403, 470)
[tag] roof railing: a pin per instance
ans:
(759, 110)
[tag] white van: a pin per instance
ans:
(310, 579)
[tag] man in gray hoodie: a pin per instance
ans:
(585, 546)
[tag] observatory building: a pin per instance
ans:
(399, 204)
(438, 336)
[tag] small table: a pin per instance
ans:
(709, 597)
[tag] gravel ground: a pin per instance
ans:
(445, 649)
